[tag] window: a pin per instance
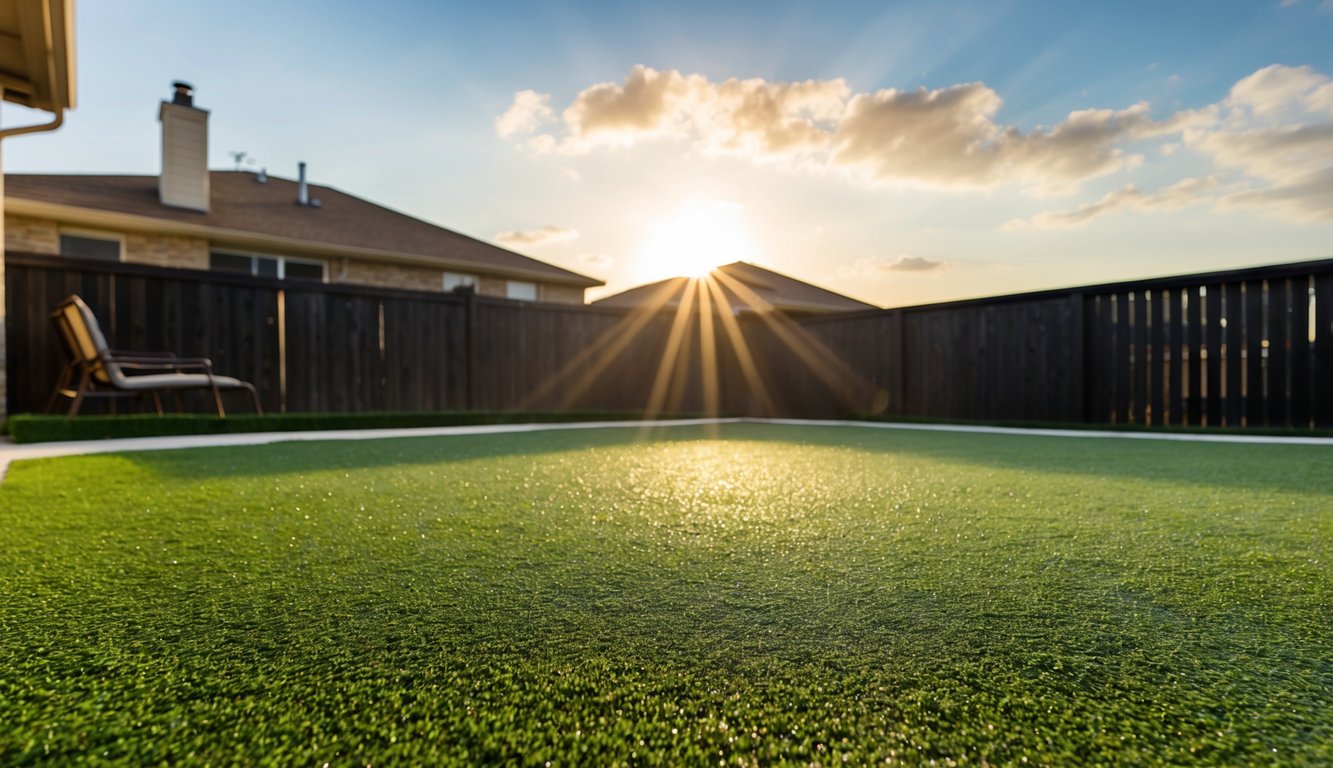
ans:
(281, 267)
(302, 270)
(517, 289)
(88, 245)
(455, 280)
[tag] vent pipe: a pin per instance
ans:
(302, 191)
(183, 94)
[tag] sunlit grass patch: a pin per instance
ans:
(751, 595)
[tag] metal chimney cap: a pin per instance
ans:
(184, 94)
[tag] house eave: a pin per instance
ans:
(45, 78)
(225, 237)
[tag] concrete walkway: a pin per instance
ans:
(10, 451)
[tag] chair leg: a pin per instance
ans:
(157, 403)
(78, 396)
(61, 384)
(217, 398)
(254, 395)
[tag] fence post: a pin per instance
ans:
(4, 358)
(1078, 358)
(471, 361)
(898, 377)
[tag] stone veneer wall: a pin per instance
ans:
(405, 276)
(560, 294)
(166, 250)
(31, 235)
(492, 286)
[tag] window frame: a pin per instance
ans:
(91, 234)
(279, 259)
(509, 290)
(464, 279)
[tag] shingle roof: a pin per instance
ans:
(773, 289)
(240, 203)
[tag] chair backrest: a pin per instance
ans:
(83, 336)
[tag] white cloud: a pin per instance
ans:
(529, 112)
(873, 267)
(1274, 132)
(536, 238)
(915, 264)
(596, 260)
(945, 138)
(1269, 139)
(1174, 197)
(1306, 198)
(948, 137)
(1280, 91)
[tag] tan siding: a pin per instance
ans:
(560, 294)
(386, 275)
(166, 250)
(31, 235)
(492, 286)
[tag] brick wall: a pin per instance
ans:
(405, 276)
(31, 235)
(166, 250)
(560, 294)
(492, 286)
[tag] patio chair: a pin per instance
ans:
(103, 372)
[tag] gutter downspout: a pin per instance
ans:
(55, 123)
(40, 128)
(4, 353)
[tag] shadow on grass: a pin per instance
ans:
(1269, 467)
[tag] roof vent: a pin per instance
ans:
(302, 190)
(184, 95)
(262, 176)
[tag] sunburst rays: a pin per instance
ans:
(704, 339)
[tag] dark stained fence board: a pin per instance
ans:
(1176, 377)
(1279, 337)
(1322, 400)
(1254, 367)
(1299, 384)
(1232, 337)
(1197, 342)
(1100, 361)
(1157, 334)
(1124, 375)
(1140, 357)
(1213, 339)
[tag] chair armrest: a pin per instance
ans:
(139, 363)
(127, 353)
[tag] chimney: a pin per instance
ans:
(184, 179)
(302, 191)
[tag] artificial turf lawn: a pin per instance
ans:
(780, 594)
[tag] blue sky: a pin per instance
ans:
(1210, 143)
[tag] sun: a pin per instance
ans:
(695, 240)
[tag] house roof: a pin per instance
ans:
(241, 207)
(771, 289)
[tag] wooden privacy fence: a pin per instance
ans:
(1241, 348)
